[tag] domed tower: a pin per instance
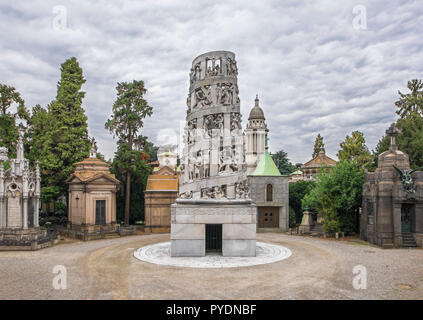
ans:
(255, 137)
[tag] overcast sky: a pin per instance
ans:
(328, 67)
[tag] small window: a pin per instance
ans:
(269, 192)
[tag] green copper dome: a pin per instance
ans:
(266, 165)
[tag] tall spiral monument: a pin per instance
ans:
(214, 211)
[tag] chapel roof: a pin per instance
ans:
(266, 165)
(92, 169)
(321, 160)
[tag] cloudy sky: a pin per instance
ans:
(328, 67)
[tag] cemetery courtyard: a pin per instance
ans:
(317, 269)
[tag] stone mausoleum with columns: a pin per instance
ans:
(20, 203)
(214, 211)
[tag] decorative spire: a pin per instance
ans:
(267, 143)
(20, 148)
(93, 151)
(393, 132)
(256, 101)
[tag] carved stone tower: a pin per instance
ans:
(213, 136)
(214, 199)
(19, 204)
(255, 137)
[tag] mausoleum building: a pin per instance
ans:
(392, 210)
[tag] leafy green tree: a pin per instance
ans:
(129, 111)
(38, 126)
(139, 174)
(318, 146)
(354, 149)
(151, 150)
(66, 141)
(297, 191)
(9, 97)
(338, 195)
(410, 140)
(411, 102)
(282, 162)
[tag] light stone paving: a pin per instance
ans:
(159, 253)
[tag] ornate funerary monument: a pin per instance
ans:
(392, 210)
(214, 211)
(19, 204)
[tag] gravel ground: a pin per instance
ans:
(317, 269)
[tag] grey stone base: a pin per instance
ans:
(239, 248)
(189, 220)
(96, 232)
(188, 248)
(26, 240)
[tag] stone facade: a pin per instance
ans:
(392, 210)
(311, 168)
(214, 193)
(160, 193)
(271, 206)
(20, 203)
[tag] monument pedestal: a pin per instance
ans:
(232, 232)
(26, 239)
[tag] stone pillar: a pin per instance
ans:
(306, 222)
(36, 212)
(397, 225)
(2, 213)
(25, 213)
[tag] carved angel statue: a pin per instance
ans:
(406, 179)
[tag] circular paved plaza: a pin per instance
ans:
(317, 269)
(159, 253)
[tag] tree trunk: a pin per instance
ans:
(127, 197)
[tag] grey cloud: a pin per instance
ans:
(313, 71)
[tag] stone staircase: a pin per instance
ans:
(317, 230)
(408, 240)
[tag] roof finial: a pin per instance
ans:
(256, 101)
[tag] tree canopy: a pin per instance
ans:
(338, 195)
(282, 162)
(354, 149)
(128, 113)
(66, 141)
(412, 102)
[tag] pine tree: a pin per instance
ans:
(411, 102)
(67, 141)
(128, 113)
(410, 140)
(318, 146)
(354, 149)
(282, 162)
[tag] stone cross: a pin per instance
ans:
(393, 132)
